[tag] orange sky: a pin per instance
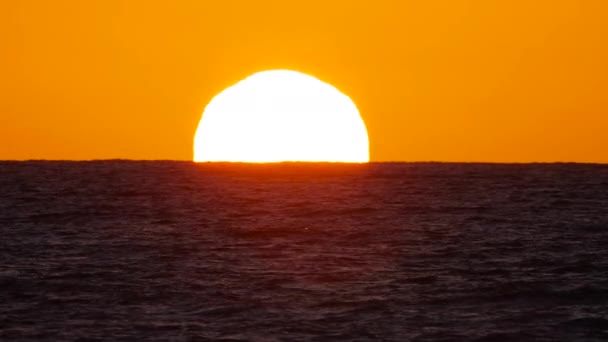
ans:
(451, 80)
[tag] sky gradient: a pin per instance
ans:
(489, 81)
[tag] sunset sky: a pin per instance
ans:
(450, 80)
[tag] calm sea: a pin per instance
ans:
(133, 251)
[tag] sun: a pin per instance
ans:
(281, 115)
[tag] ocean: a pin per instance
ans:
(178, 251)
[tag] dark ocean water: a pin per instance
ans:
(135, 251)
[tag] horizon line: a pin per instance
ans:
(300, 162)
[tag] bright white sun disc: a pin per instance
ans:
(281, 115)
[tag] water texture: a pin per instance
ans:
(132, 251)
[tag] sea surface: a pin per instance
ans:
(178, 251)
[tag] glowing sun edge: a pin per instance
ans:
(333, 116)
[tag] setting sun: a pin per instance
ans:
(281, 115)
